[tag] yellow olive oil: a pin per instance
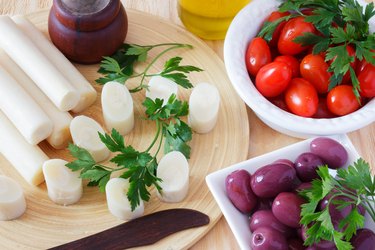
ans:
(209, 19)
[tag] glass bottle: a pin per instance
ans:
(209, 19)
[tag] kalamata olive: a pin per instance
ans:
(265, 218)
(304, 186)
(273, 179)
(296, 244)
(287, 208)
(306, 165)
(285, 161)
(266, 238)
(239, 191)
(330, 151)
(364, 239)
(264, 204)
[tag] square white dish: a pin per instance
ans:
(237, 221)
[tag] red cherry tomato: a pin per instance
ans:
(301, 97)
(314, 69)
(360, 66)
(323, 111)
(292, 62)
(258, 54)
(295, 27)
(366, 80)
(279, 102)
(273, 78)
(341, 100)
(276, 34)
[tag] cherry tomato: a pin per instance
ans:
(295, 27)
(360, 66)
(275, 15)
(292, 62)
(308, 11)
(301, 97)
(341, 100)
(323, 111)
(279, 102)
(273, 78)
(366, 80)
(314, 69)
(258, 54)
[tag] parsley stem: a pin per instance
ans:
(369, 209)
(158, 125)
(144, 73)
(172, 44)
(161, 140)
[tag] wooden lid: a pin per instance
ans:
(85, 15)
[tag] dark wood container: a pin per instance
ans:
(86, 30)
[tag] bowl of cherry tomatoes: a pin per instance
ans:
(306, 87)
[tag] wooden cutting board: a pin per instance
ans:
(46, 224)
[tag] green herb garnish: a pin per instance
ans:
(120, 66)
(139, 167)
(355, 183)
(351, 28)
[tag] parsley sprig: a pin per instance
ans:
(351, 28)
(357, 185)
(139, 166)
(120, 66)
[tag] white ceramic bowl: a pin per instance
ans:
(244, 27)
(237, 221)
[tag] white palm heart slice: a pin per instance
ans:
(173, 169)
(117, 201)
(84, 131)
(162, 88)
(64, 186)
(117, 107)
(12, 199)
(204, 105)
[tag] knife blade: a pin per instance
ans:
(141, 231)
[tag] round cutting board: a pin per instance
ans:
(46, 224)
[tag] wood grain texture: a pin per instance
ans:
(262, 138)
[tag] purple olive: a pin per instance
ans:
(296, 244)
(265, 218)
(264, 204)
(270, 180)
(304, 186)
(266, 238)
(306, 165)
(364, 239)
(330, 151)
(287, 209)
(284, 161)
(239, 191)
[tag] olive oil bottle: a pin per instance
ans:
(209, 19)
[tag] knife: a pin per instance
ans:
(141, 231)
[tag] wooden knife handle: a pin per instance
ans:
(142, 231)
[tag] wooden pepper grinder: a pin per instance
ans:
(86, 30)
